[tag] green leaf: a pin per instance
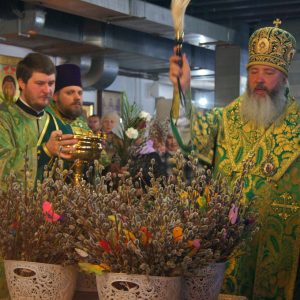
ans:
(259, 155)
(239, 155)
(274, 243)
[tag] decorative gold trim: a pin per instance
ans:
(46, 150)
(286, 206)
(55, 122)
(44, 130)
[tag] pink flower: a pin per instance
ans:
(233, 214)
(195, 243)
(50, 215)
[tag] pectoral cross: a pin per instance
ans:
(277, 22)
(286, 208)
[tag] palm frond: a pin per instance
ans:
(129, 113)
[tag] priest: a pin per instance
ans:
(26, 129)
(263, 124)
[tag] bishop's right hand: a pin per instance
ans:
(180, 68)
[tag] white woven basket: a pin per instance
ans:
(206, 285)
(32, 281)
(121, 286)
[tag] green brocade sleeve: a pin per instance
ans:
(13, 158)
(203, 130)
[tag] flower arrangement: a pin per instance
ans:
(171, 228)
(132, 129)
(34, 223)
(168, 228)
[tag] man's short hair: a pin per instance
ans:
(34, 62)
(94, 116)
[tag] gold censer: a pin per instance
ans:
(87, 150)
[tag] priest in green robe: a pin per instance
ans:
(26, 128)
(262, 124)
(67, 102)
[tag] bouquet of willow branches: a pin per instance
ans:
(34, 224)
(172, 228)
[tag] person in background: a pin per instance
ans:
(27, 131)
(109, 122)
(171, 148)
(145, 158)
(171, 143)
(262, 125)
(159, 146)
(94, 123)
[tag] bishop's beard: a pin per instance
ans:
(262, 111)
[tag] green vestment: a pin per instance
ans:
(21, 131)
(79, 126)
(24, 134)
(220, 138)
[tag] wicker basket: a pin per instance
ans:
(128, 287)
(206, 285)
(31, 281)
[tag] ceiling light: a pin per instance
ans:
(203, 101)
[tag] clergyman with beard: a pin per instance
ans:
(262, 124)
(67, 100)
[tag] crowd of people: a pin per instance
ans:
(262, 125)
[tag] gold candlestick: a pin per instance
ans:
(88, 149)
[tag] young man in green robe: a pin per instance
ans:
(27, 130)
(262, 124)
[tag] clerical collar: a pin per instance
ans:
(25, 107)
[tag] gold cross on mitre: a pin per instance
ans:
(277, 22)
